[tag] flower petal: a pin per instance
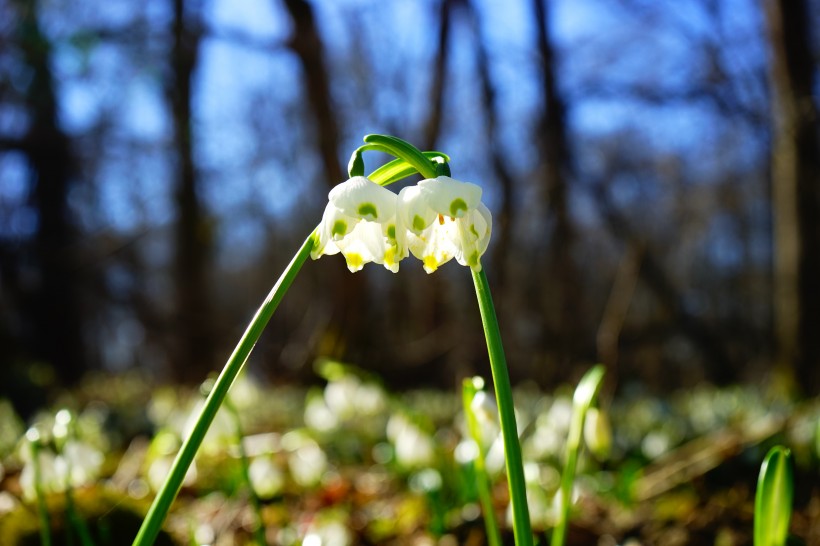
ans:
(334, 226)
(414, 212)
(436, 245)
(361, 198)
(450, 197)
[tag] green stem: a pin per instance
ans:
(582, 400)
(162, 502)
(259, 527)
(470, 389)
(76, 520)
(403, 149)
(42, 509)
(506, 411)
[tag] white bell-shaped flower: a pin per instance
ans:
(445, 219)
(360, 222)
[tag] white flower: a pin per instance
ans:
(360, 222)
(445, 219)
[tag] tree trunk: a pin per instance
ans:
(55, 311)
(307, 45)
(350, 297)
(503, 219)
(564, 298)
(194, 351)
(795, 192)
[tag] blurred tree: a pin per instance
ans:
(348, 329)
(195, 345)
(49, 305)
(560, 290)
(502, 228)
(662, 108)
(795, 171)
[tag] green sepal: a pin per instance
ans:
(442, 168)
(773, 499)
(403, 149)
(399, 169)
(355, 167)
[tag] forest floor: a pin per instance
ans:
(348, 462)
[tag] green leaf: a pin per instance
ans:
(399, 168)
(773, 500)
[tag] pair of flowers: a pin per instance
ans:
(436, 220)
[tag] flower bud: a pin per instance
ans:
(597, 433)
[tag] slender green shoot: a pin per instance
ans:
(506, 410)
(68, 432)
(471, 387)
(259, 524)
(152, 523)
(773, 499)
(35, 443)
(582, 400)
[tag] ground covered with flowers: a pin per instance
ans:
(349, 462)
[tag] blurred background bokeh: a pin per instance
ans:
(653, 169)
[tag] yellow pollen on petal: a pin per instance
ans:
(430, 263)
(354, 261)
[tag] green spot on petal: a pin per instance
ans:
(368, 211)
(391, 231)
(457, 208)
(418, 223)
(339, 228)
(473, 230)
(473, 259)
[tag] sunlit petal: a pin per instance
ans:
(361, 198)
(450, 197)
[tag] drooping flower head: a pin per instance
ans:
(445, 219)
(360, 222)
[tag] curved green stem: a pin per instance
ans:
(399, 169)
(403, 149)
(506, 411)
(162, 503)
